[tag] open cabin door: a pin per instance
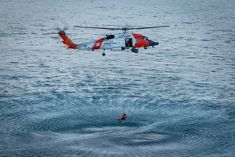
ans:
(129, 42)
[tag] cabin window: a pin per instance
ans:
(110, 37)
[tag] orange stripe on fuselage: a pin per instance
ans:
(140, 41)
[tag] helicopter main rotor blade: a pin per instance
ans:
(123, 28)
(132, 28)
(109, 28)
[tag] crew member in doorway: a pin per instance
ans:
(122, 118)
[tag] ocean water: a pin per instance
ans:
(179, 96)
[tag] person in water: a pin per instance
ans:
(122, 118)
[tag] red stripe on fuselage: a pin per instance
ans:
(98, 43)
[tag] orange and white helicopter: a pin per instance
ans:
(120, 41)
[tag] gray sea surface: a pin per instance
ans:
(179, 96)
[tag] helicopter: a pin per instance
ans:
(119, 41)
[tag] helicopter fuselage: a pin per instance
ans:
(111, 42)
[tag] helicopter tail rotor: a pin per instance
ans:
(61, 29)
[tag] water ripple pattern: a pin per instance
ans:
(179, 96)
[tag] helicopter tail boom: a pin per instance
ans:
(67, 41)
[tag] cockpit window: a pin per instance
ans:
(146, 38)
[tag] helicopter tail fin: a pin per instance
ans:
(68, 42)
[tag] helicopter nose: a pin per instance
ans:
(152, 43)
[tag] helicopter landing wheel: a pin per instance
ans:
(103, 54)
(134, 50)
